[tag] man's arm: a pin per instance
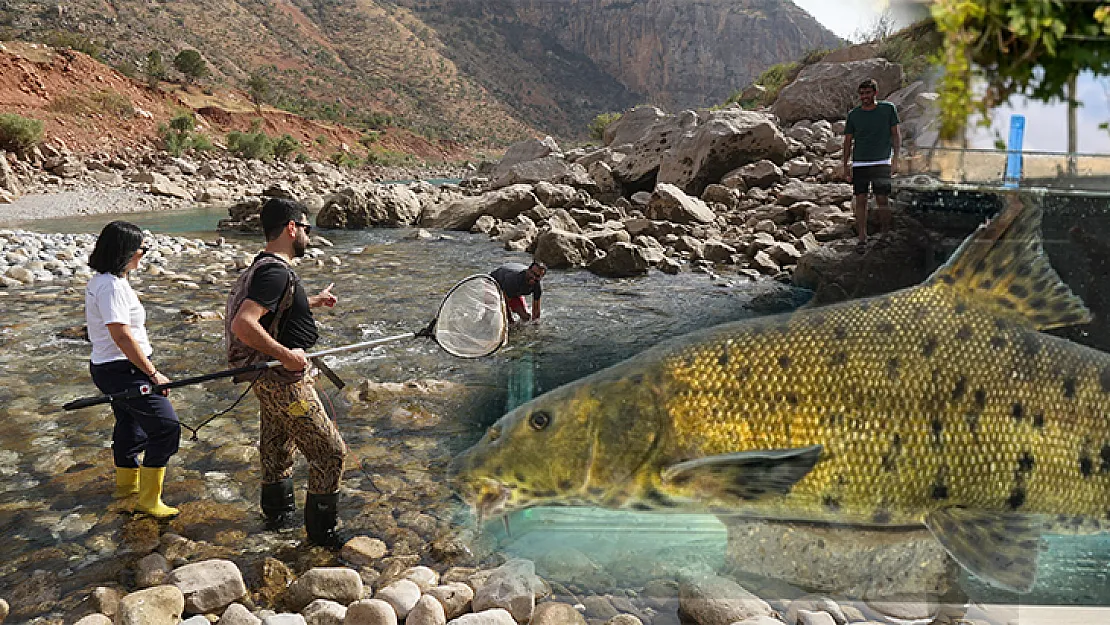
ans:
(324, 298)
(246, 326)
(535, 308)
(846, 159)
(896, 143)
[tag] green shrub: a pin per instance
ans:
(388, 158)
(191, 64)
(600, 123)
(250, 145)
(202, 143)
(184, 122)
(113, 103)
(285, 145)
(18, 133)
(345, 159)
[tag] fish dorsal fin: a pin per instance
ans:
(744, 475)
(999, 548)
(1003, 265)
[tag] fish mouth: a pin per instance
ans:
(490, 499)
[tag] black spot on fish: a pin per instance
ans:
(947, 279)
(1037, 302)
(519, 477)
(998, 270)
(1018, 290)
(938, 431)
(722, 360)
(998, 342)
(830, 502)
(1024, 270)
(545, 494)
(659, 499)
(964, 333)
(929, 347)
(597, 491)
(836, 419)
(890, 459)
(1038, 419)
(1001, 324)
(1105, 456)
(1060, 305)
(792, 399)
(980, 398)
(884, 303)
(689, 360)
(1030, 346)
(1017, 498)
(960, 388)
(939, 491)
(1104, 379)
(1025, 462)
(1069, 387)
(637, 378)
(986, 284)
(839, 359)
(1086, 465)
(817, 321)
(839, 332)
(784, 361)
(980, 266)
(972, 420)
(642, 507)
(892, 368)
(961, 307)
(1005, 302)
(881, 516)
(564, 484)
(1017, 411)
(885, 327)
(744, 373)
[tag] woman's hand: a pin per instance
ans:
(160, 379)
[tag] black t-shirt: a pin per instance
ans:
(513, 280)
(267, 287)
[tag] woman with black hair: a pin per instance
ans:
(120, 361)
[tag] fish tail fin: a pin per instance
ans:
(1004, 265)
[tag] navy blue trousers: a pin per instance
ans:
(143, 424)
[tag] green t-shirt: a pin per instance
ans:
(870, 132)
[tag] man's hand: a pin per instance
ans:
(893, 164)
(159, 380)
(324, 298)
(848, 172)
(295, 360)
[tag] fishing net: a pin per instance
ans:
(473, 320)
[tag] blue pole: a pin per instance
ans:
(1013, 152)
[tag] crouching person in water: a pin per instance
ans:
(270, 317)
(120, 361)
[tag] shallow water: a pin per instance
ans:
(56, 465)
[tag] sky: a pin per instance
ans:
(1045, 124)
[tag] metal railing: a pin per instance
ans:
(986, 167)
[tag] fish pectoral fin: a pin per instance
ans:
(998, 547)
(745, 475)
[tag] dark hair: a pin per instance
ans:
(118, 241)
(869, 83)
(537, 263)
(278, 211)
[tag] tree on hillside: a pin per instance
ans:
(191, 64)
(154, 69)
(259, 89)
(1034, 48)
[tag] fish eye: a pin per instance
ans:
(494, 433)
(539, 420)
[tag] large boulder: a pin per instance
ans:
(524, 151)
(830, 90)
(387, 205)
(669, 203)
(551, 168)
(8, 180)
(559, 249)
(640, 167)
(727, 140)
(621, 260)
(632, 125)
(463, 212)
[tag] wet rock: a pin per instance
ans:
(496, 616)
(624, 619)
(422, 576)
(335, 583)
(556, 613)
(599, 608)
(559, 249)
(324, 612)
(370, 612)
(92, 619)
(104, 600)
(455, 598)
(621, 260)
(402, 595)
(284, 619)
(814, 603)
(210, 585)
(363, 550)
(161, 605)
(238, 614)
(373, 206)
(152, 570)
(719, 601)
(512, 586)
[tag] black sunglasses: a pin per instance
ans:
(143, 249)
(307, 227)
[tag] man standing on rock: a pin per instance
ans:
(269, 316)
(516, 281)
(872, 140)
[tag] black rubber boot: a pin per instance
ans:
(321, 513)
(278, 505)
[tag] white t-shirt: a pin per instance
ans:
(109, 299)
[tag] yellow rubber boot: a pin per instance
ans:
(150, 493)
(127, 482)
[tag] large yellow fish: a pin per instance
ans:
(941, 405)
